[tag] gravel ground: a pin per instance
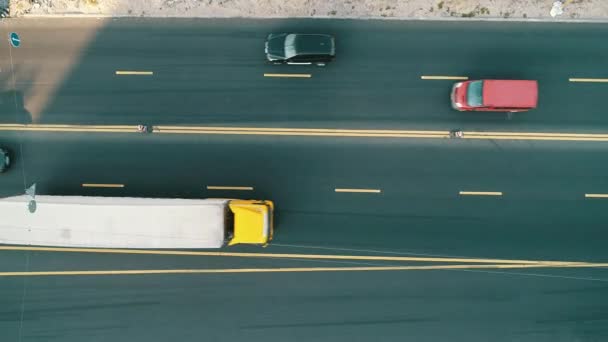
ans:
(399, 9)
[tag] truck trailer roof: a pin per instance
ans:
(113, 222)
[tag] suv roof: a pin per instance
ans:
(309, 44)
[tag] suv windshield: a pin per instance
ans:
(474, 94)
(290, 46)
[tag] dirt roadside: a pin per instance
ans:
(564, 10)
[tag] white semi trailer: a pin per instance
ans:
(128, 222)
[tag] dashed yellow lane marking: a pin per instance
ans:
(289, 75)
(283, 255)
(596, 195)
(591, 80)
(290, 269)
(134, 73)
(480, 193)
(102, 185)
(374, 191)
(215, 187)
(312, 132)
(464, 78)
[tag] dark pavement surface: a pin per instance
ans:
(210, 72)
(543, 215)
(409, 306)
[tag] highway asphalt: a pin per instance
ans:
(542, 215)
(211, 72)
(380, 306)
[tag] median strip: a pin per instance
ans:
(480, 193)
(216, 187)
(289, 75)
(134, 73)
(102, 185)
(320, 132)
(462, 78)
(589, 80)
(373, 191)
(69, 128)
(311, 132)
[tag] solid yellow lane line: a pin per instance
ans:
(444, 78)
(542, 134)
(540, 138)
(268, 130)
(289, 75)
(592, 80)
(537, 136)
(215, 187)
(303, 133)
(102, 185)
(374, 191)
(308, 130)
(68, 128)
(381, 133)
(317, 132)
(480, 193)
(134, 73)
(54, 126)
(596, 195)
(230, 130)
(281, 255)
(291, 269)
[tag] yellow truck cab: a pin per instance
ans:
(253, 221)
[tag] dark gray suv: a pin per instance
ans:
(300, 48)
(5, 160)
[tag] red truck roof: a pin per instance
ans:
(510, 93)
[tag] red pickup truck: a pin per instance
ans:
(495, 95)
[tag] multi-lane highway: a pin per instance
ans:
(337, 193)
